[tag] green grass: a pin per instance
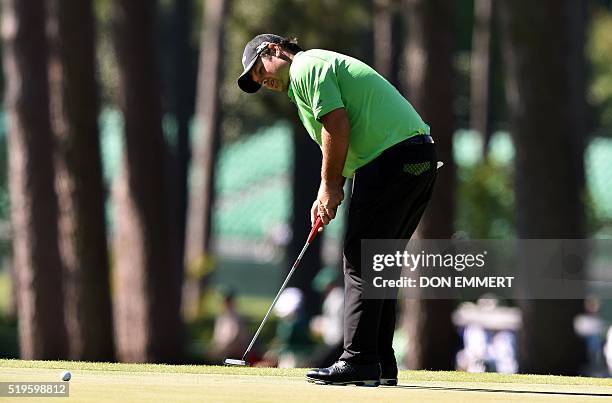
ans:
(421, 376)
(97, 382)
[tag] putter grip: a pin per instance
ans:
(315, 228)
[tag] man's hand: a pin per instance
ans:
(326, 205)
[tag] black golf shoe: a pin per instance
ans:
(346, 373)
(388, 375)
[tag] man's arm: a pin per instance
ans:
(335, 141)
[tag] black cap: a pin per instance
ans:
(252, 50)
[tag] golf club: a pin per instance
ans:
(313, 232)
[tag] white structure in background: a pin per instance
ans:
(489, 336)
(608, 350)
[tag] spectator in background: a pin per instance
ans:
(292, 336)
(328, 325)
(230, 335)
(592, 328)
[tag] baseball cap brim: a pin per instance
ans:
(245, 82)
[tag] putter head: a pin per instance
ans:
(230, 361)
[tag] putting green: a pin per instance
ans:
(98, 382)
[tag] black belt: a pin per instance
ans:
(419, 139)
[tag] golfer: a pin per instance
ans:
(369, 132)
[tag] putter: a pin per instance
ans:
(313, 232)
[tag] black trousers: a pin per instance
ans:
(388, 199)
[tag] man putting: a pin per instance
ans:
(366, 130)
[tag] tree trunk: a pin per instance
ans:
(183, 72)
(481, 69)
(429, 60)
(205, 147)
(543, 50)
(306, 180)
(83, 247)
(34, 210)
(386, 26)
(148, 289)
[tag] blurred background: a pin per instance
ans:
(150, 210)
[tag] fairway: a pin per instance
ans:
(100, 382)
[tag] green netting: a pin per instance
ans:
(256, 173)
(255, 214)
(254, 158)
(598, 166)
(252, 184)
(467, 151)
(111, 142)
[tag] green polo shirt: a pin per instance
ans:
(322, 81)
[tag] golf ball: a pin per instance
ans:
(66, 375)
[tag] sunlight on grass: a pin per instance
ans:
(421, 376)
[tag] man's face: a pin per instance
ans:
(272, 71)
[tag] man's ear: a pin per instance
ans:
(276, 49)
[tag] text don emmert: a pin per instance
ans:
(445, 282)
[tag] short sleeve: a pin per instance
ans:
(325, 92)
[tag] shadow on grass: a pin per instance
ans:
(537, 392)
